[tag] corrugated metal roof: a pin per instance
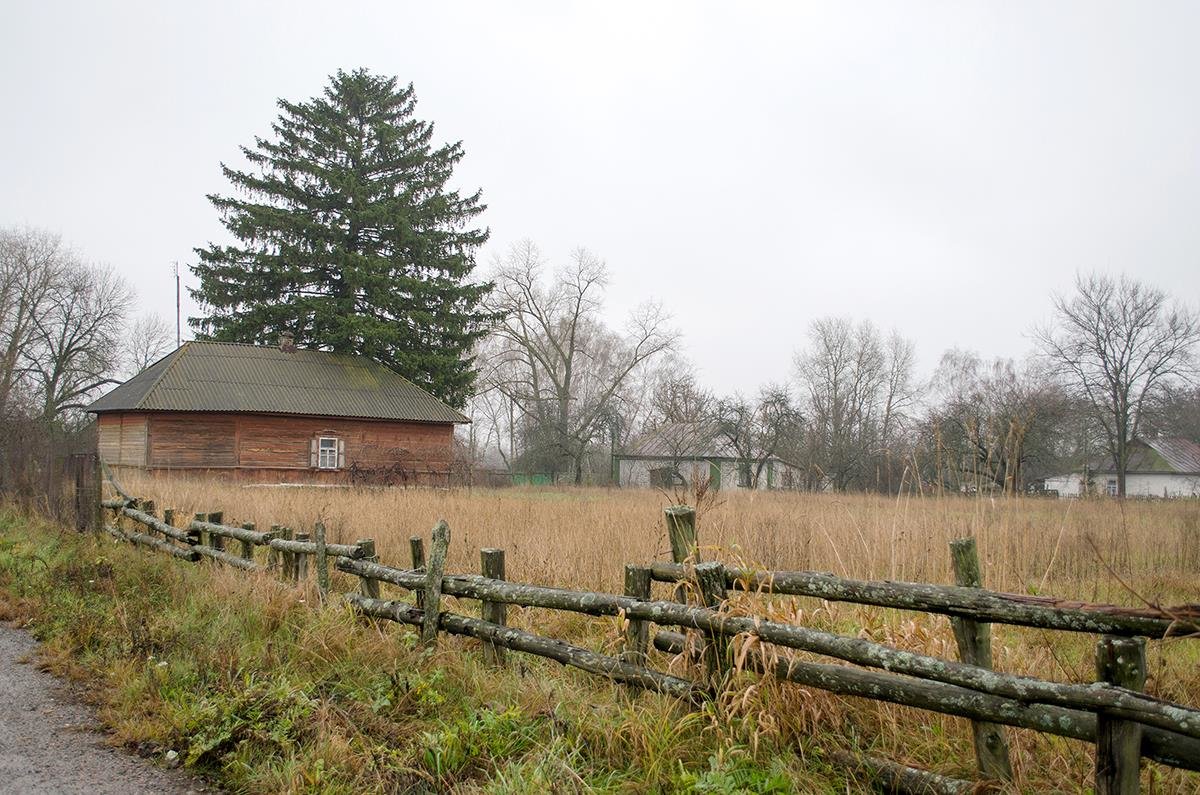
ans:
(1181, 455)
(685, 440)
(230, 377)
(1168, 456)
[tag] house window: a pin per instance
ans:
(1110, 488)
(329, 453)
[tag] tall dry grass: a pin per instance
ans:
(1080, 549)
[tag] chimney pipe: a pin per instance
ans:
(287, 342)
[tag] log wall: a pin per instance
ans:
(268, 448)
(122, 439)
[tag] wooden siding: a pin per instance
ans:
(275, 447)
(121, 439)
(193, 440)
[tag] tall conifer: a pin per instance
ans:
(349, 237)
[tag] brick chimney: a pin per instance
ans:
(287, 342)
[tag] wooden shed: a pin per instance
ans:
(278, 415)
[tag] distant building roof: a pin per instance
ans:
(1168, 456)
(231, 377)
(684, 440)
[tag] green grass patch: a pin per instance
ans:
(261, 689)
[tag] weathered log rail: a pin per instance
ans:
(255, 537)
(354, 551)
(520, 640)
(1097, 697)
(952, 600)
(1124, 723)
(1167, 747)
(189, 554)
(157, 525)
(191, 546)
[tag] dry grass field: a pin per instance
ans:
(582, 537)
(1094, 550)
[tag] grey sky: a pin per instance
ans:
(939, 168)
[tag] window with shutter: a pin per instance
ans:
(329, 452)
(313, 455)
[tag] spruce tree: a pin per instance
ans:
(349, 237)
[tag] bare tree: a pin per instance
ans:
(32, 266)
(1118, 343)
(77, 340)
(565, 368)
(757, 430)
(148, 339)
(1176, 412)
(674, 395)
(992, 420)
(857, 388)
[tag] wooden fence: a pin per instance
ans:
(1125, 725)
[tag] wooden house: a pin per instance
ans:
(1159, 467)
(277, 415)
(686, 453)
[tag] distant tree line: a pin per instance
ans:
(559, 391)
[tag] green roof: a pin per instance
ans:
(231, 377)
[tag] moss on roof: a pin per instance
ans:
(231, 377)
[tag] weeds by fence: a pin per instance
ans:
(1125, 724)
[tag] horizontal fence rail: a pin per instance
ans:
(952, 600)
(1097, 697)
(159, 526)
(519, 640)
(310, 548)
(189, 554)
(1163, 746)
(1124, 723)
(239, 533)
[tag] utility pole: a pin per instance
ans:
(178, 324)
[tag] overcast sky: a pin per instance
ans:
(939, 168)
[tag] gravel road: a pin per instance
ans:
(49, 742)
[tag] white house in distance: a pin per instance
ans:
(679, 454)
(1157, 468)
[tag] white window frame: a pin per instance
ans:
(327, 456)
(1110, 488)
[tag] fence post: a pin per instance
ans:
(272, 552)
(416, 545)
(247, 547)
(322, 560)
(368, 587)
(98, 487)
(433, 582)
(681, 530)
(974, 641)
(301, 561)
(491, 565)
(169, 516)
(637, 633)
(1122, 662)
(287, 559)
(710, 583)
(215, 540)
(201, 535)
